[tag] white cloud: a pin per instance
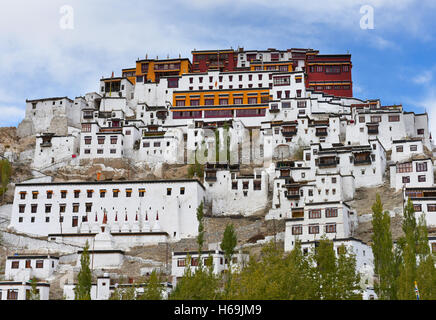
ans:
(423, 78)
(10, 115)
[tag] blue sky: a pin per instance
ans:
(394, 62)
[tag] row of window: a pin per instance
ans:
(313, 229)
(222, 101)
(101, 151)
(412, 147)
(101, 140)
(408, 167)
(89, 193)
(430, 207)
(194, 261)
(330, 69)
(39, 264)
(391, 118)
(329, 213)
(406, 179)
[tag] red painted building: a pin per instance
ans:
(222, 60)
(329, 73)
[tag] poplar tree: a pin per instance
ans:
(34, 292)
(408, 244)
(382, 247)
(5, 174)
(228, 245)
(82, 291)
(153, 290)
(426, 271)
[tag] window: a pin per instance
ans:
(404, 167)
(63, 194)
(62, 208)
(75, 207)
(76, 193)
(21, 208)
(180, 262)
(102, 193)
(34, 208)
(257, 185)
(12, 294)
(28, 266)
(128, 193)
(395, 118)
(89, 193)
(86, 127)
(314, 229)
(234, 185)
(22, 195)
(39, 264)
(182, 190)
(361, 119)
(406, 179)
(413, 147)
(297, 229)
(180, 103)
(417, 207)
(194, 262)
(15, 264)
(315, 214)
(47, 208)
(169, 191)
(331, 212)
(421, 178)
(420, 131)
(431, 207)
(49, 194)
(245, 185)
(375, 118)
(88, 207)
(237, 101)
(298, 93)
(282, 81)
(330, 228)
(399, 148)
(35, 195)
(421, 166)
(115, 193)
(75, 221)
(100, 140)
(141, 192)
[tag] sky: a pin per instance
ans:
(51, 48)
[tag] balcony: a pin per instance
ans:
(297, 213)
(111, 129)
(289, 133)
(372, 129)
(293, 196)
(210, 178)
(327, 162)
(321, 133)
(162, 115)
(45, 144)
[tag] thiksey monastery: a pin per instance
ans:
(288, 115)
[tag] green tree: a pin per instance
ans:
(153, 290)
(34, 292)
(124, 294)
(228, 245)
(408, 244)
(382, 247)
(200, 237)
(202, 284)
(82, 291)
(347, 277)
(5, 175)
